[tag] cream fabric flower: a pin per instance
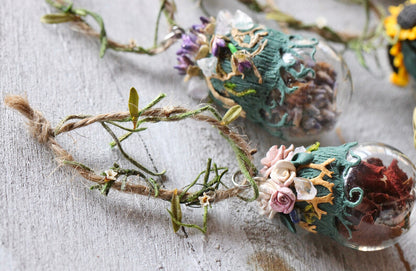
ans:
(266, 190)
(276, 194)
(283, 173)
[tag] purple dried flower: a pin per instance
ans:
(188, 50)
(183, 63)
(200, 27)
(244, 65)
(189, 43)
(182, 52)
(204, 20)
(216, 44)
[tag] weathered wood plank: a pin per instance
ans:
(51, 220)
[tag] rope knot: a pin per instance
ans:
(39, 127)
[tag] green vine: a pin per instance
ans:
(207, 188)
(78, 16)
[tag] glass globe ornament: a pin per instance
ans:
(361, 195)
(292, 86)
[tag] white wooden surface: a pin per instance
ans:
(50, 220)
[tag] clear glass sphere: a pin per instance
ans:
(382, 186)
(321, 96)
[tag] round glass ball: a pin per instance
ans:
(383, 186)
(314, 107)
(294, 87)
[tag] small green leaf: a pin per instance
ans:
(121, 138)
(313, 147)
(232, 48)
(104, 44)
(176, 211)
(57, 18)
(106, 187)
(134, 106)
(232, 114)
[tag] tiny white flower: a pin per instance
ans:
(110, 175)
(132, 43)
(204, 200)
(321, 22)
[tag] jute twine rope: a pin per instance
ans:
(40, 129)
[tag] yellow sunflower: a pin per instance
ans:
(401, 27)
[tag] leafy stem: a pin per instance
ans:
(128, 157)
(205, 188)
(77, 16)
(203, 229)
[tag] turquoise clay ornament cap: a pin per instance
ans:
(361, 195)
(293, 87)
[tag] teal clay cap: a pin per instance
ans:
(361, 195)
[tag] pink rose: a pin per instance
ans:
(282, 200)
(273, 156)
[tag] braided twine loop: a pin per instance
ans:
(40, 128)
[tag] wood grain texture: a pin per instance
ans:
(50, 220)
